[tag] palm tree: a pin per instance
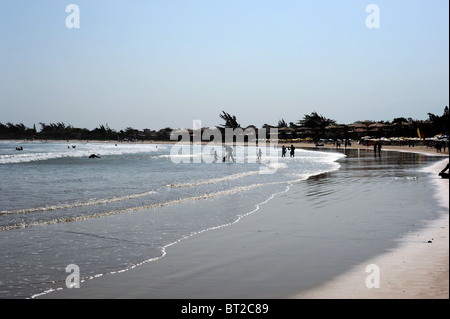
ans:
(230, 121)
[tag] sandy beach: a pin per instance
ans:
(254, 258)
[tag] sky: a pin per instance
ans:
(166, 63)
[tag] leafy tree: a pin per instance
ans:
(282, 123)
(3, 129)
(398, 124)
(316, 123)
(131, 132)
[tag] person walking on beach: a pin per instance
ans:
(229, 150)
(216, 157)
(283, 151)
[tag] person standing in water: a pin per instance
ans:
(229, 151)
(292, 148)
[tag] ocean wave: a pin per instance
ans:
(78, 204)
(291, 173)
(230, 191)
(215, 180)
(32, 157)
(36, 152)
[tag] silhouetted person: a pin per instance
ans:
(292, 148)
(283, 151)
(259, 155)
(229, 150)
(442, 173)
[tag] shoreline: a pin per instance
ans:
(412, 269)
(420, 149)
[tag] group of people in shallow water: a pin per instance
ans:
(228, 157)
(285, 149)
(229, 153)
(90, 156)
(377, 146)
(73, 146)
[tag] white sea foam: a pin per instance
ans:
(46, 151)
(77, 204)
(216, 180)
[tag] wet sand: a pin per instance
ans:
(313, 241)
(417, 269)
(410, 271)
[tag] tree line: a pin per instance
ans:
(314, 125)
(317, 126)
(62, 131)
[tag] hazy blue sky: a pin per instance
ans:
(158, 63)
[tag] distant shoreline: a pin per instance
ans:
(416, 149)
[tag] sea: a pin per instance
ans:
(62, 210)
